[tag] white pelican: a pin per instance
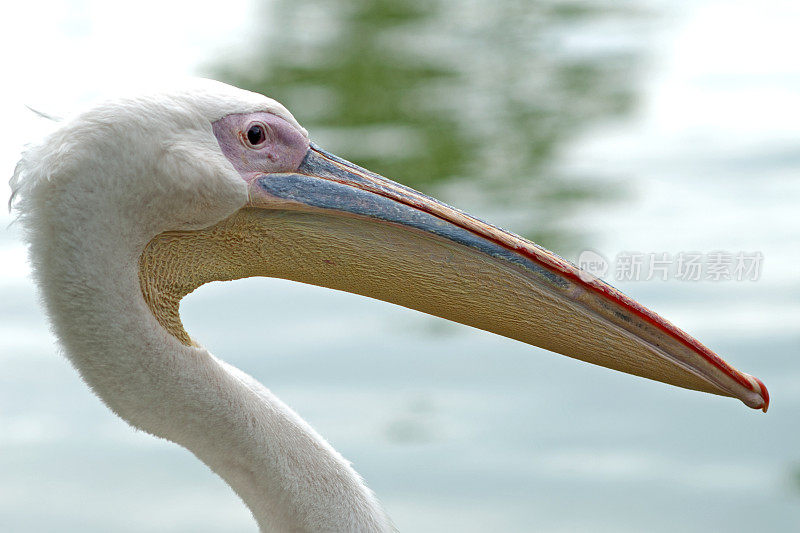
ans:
(135, 203)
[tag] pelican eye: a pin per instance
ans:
(256, 135)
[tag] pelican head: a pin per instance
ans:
(135, 203)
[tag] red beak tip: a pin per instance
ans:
(763, 391)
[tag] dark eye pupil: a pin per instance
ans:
(255, 135)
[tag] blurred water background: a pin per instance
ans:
(644, 125)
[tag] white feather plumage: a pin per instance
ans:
(90, 197)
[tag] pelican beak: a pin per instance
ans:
(341, 226)
(331, 223)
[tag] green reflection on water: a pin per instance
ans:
(469, 101)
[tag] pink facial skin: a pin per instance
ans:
(280, 147)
